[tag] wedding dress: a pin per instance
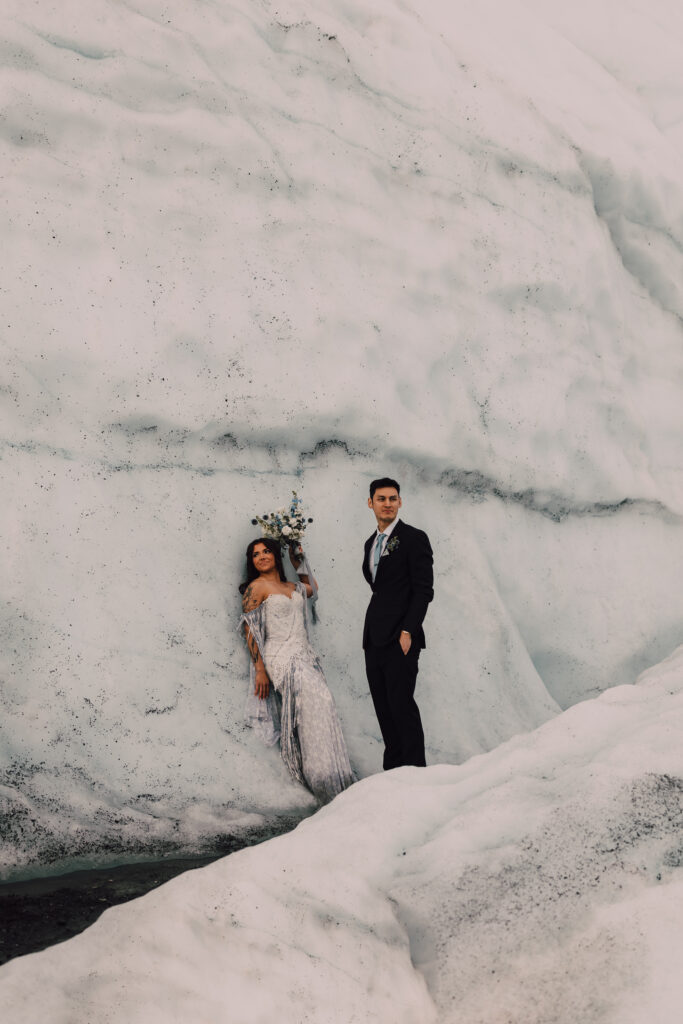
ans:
(300, 709)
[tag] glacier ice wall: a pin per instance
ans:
(257, 247)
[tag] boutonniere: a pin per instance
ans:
(392, 544)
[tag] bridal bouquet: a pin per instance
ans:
(286, 525)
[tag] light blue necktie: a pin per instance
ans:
(378, 554)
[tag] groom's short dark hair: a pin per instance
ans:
(385, 481)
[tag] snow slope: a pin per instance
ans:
(539, 882)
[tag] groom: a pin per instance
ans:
(398, 567)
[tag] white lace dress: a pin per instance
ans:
(311, 739)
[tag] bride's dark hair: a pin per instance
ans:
(252, 572)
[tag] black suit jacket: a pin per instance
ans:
(403, 587)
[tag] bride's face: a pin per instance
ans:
(264, 560)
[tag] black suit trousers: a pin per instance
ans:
(392, 676)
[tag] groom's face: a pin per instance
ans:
(385, 503)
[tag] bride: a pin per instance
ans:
(276, 629)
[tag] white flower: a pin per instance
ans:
(286, 530)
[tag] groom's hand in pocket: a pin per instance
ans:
(405, 641)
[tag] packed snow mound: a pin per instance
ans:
(264, 247)
(538, 882)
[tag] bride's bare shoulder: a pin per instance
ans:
(254, 595)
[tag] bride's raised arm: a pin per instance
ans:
(297, 558)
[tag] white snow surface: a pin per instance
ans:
(259, 246)
(539, 882)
